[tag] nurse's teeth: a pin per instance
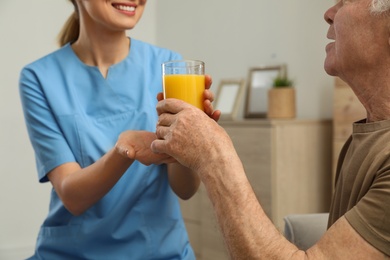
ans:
(125, 8)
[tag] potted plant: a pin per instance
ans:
(281, 98)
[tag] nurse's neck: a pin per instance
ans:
(102, 51)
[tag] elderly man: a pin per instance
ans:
(359, 223)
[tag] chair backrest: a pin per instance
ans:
(304, 230)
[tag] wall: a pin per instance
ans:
(233, 36)
(28, 31)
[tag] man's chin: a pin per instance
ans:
(330, 70)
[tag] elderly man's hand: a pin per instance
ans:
(188, 134)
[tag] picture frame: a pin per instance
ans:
(228, 97)
(260, 80)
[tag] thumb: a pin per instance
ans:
(157, 146)
(171, 106)
(125, 151)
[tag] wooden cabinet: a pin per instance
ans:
(289, 165)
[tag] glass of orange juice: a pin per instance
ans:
(184, 80)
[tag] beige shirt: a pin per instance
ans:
(362, 191)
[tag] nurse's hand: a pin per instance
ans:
(208, 99)
(135, 145)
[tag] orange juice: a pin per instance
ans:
(188, 88)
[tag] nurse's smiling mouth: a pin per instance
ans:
(127, 8)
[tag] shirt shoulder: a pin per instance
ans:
(363, 188)
(140, 48)
(55, 57)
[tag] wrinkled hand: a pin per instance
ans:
(188, 134)
(208, 99)
(136, 145)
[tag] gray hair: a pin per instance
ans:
(380, 6)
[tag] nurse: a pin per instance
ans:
(89, 109)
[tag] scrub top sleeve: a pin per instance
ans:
(51, 148)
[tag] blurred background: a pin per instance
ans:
(230, 36)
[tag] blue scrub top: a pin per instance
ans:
(74, 114)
